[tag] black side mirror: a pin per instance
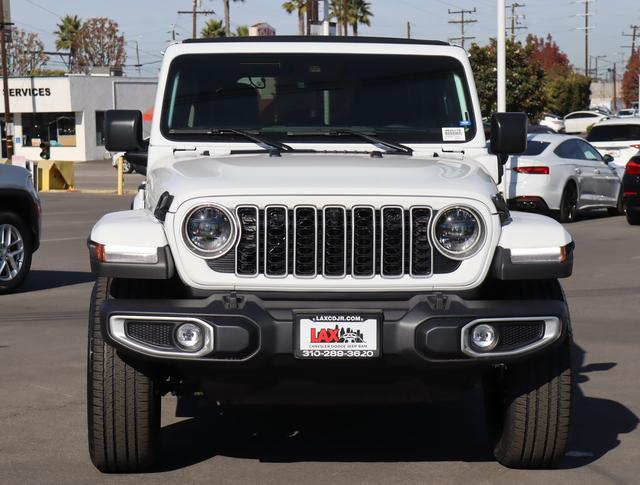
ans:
(123, 130)
(508, 136)
(138, 158)
(607, 159)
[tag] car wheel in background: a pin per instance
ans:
(569, 203)
(633, 216)
(126, 166)
(16, 249)
(618, 210)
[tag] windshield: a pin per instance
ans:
(403, 98)
(615, 133)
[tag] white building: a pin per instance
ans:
(68, 112)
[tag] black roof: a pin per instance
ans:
(318, 39)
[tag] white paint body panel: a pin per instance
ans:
(437, 175)
(533, 231)
(133, 228)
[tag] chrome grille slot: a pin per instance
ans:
(421, 257)
(276, 236)
(334, 242)
(363, 242)
(247, 247)
(392, 232)
(305, 241)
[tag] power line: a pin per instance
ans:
(515, 18)
(44, 8)
(463, 21)
(586, 29)
(194, 13)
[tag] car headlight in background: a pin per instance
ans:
(210, 231)
(458, 232)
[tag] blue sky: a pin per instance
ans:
(148, 21)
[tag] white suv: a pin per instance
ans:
(320, 207)
(617, 137)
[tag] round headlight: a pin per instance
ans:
(210, 231)
(458, 232)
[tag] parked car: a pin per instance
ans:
(298, 244)
(631, 190)
(618, 138)
(627, 113)
(19, 225)
(555, 122)
(579, 122)
(563, 174)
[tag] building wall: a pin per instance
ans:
(82, 95)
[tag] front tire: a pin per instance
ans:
(529, 405)
(633, 216)
(16, 249)
(123, 403)
(569, 203)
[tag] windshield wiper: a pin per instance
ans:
(280, 147)
(394, 147)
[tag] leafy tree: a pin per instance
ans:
(299, 6)
(227, 16)
(25, 53)
(548, 54)
(567, 92)
(99, 44)
(242, 31)
(524, 79)
(66, 34)
(630, 80)
(212, 29)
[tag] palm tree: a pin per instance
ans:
(227, 17)
(300, 6)
(359, 13)
(242, 31)
(66, 35)
(336, 11)
(213, 28)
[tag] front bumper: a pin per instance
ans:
(252, 331)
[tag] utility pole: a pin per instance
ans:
(173, 32)
(586, 29)
(194, 13)
(463, 21)
(515, 19)
(408, 30)
(5, 83)
(597, 58)
(634, 36)
(615, 94)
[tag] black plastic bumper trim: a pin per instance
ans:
(503, 269)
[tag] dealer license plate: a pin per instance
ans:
(337, 336)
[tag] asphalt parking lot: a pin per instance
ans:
(42, 388)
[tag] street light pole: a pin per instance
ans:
(502, 63)
(5, 84)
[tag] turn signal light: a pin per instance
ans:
(633, 167)
(532, 170)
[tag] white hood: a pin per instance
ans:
(319, 174)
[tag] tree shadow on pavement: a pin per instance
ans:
(452, 431)
(47, 279)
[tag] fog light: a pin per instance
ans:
(189, 337)
(484, 337)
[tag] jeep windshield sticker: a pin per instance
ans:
(453, 134)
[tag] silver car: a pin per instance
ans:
(562, 174)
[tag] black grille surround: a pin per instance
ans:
(156, 334)
(516, 335)
(334, 242)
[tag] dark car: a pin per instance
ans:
(19, 225)
(631, 190)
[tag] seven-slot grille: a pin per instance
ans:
(334, 241)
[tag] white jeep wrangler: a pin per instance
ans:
(322, 206)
